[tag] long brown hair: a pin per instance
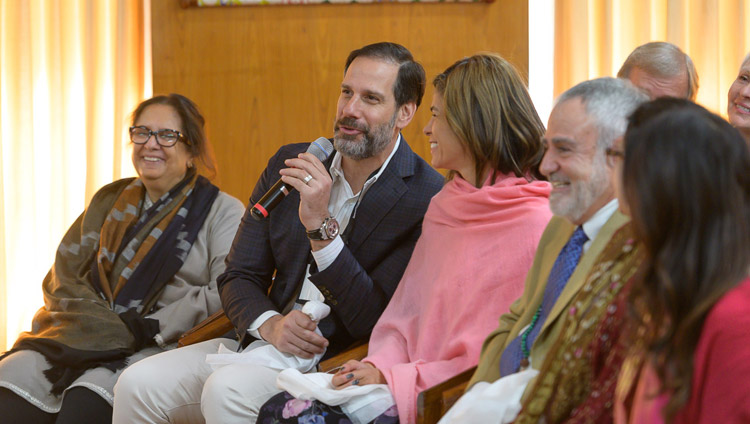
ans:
(686, 181)
(489, 108)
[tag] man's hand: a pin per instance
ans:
(356, 373)
(293, 333)
(310, 178)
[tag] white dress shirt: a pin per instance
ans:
(596, 222)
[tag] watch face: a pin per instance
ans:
(332, 228)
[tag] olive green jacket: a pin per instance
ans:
(555, 236)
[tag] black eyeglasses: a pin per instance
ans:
(612, 155)
(165, 137)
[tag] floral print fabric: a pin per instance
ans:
(286, 409)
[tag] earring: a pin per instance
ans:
(190, 164)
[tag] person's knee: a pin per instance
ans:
(234, 390)
(168, 371)
(220, 384)
(218, 395)
(137, 380)
(129, 381)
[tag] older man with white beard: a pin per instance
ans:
(583, 124)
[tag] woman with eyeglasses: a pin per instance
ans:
(136, 270)
(686, 183)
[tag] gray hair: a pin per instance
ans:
(662, 60)
(608, 102)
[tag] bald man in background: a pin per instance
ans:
(661, 69)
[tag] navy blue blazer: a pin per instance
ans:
(267, 262)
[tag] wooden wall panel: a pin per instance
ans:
(265, 76)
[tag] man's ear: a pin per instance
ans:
(405, 114)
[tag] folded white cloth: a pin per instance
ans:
(361, 404)
(263, 353)
(496, 403)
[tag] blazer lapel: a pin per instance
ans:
(382, 196)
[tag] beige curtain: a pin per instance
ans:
(70, 73)
(593, 38)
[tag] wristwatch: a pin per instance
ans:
(328, 230)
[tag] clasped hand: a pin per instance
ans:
(357, 373)
(294, 333)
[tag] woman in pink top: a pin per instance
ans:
(686, 184)
(478, 240)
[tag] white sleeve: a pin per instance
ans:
(255, 326)
(325, 256)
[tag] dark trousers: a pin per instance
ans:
(80, 405)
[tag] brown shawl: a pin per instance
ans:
(576, 367)
(108, 273)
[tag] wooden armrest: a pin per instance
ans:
(434, 402)
(212, 327)
(357, 352)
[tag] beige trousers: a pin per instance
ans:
(179, 387)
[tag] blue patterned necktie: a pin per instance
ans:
(562, 269)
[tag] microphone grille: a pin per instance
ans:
(320, 148)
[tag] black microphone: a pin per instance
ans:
(320, 148)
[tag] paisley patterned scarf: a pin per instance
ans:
(582, 365)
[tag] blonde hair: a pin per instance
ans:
(663, 60)
(489, 108)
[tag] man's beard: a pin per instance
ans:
(582, 194)
(373, 142)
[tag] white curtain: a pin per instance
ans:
(71, 71)
(593, 38)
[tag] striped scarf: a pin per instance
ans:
(108, 273)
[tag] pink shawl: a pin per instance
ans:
(468, 266)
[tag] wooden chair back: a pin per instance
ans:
(212, 327)
(434, 402)
(356, 352)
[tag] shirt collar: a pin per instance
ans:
(597, 221)
(337, 172)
